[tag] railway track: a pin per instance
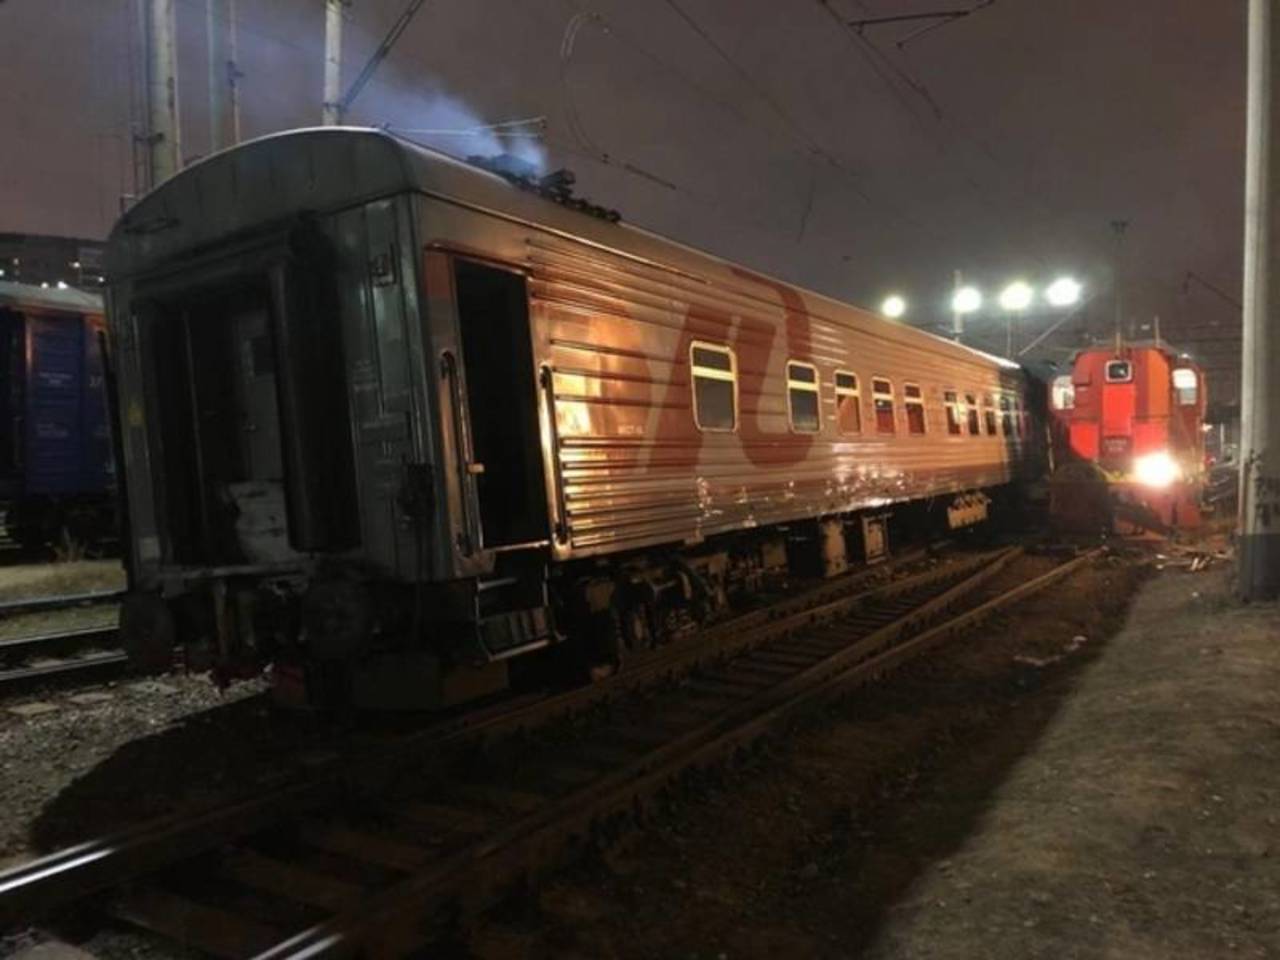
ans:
(82, 653)
(52, 661)
(362, 858)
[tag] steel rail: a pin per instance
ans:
(79, 636)
(93, 663)
(34, 604)
(33, 888)
(389, 923)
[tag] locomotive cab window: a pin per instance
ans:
(971, 405)
(848, 408)
(802, 397)
(882, 397)
(715, 387)
(1185, 386)
(1063, 393)
(914, 401)
(989, 414)
(1006, 417)
(1119, 371)
(955, 411)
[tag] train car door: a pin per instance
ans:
(1119, 404)
(256, 384)
(502, 400)
(55, 378)
(12, 384)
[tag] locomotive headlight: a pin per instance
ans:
(1156, 470)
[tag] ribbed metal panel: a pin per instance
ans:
(634, 468)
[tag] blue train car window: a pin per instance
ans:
(715, 386)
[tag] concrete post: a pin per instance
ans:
(163, 133)
(332, 62)
(222, 74)
(1259, 571)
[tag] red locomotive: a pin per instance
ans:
(1135, 414)
(399, 426)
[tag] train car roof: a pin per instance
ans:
(19, 296)
(273, 178)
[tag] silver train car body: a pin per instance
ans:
(389, 420)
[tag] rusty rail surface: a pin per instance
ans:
(30, 889)
(747, 675)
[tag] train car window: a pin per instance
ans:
(1063, 393)
(971, 404)
(802, 397)
(1186, 386)
(954, 411)
(1119, 371)
(914, 401)
(848, 403)
(715, 387)
(989, 414)
(1006, 417)
(882, 398)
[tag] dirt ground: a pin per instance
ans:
(25, 581)
(29, 581)
(1095, 776)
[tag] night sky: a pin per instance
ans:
(1002, 144)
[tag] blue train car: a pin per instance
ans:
(57, 478)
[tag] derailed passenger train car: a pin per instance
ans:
(390, 421)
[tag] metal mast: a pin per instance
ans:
(163, 126)
(333, 62)
(224, 93)
(1259, 570)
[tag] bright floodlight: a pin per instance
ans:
(966, 300)
(893, 307)
(1016, 296)
(62, 284)
(1063, 292)
(1156, 470)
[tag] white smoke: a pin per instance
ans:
(449, 125)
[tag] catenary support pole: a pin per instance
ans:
(1259, 545)
(163, 126)
(223, 96)
(332, 62)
